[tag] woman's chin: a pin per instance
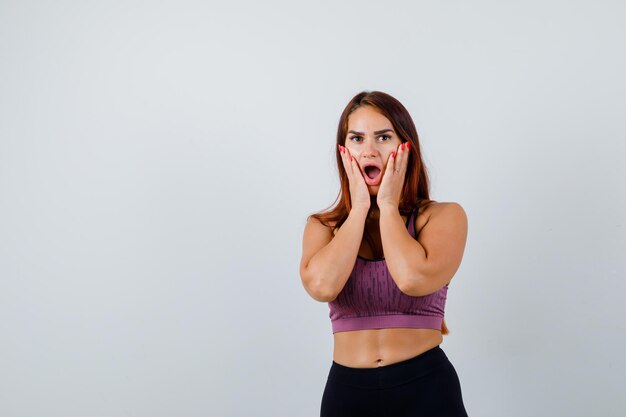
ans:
(373, 189)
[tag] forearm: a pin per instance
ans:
(332, 265)
(404, 255)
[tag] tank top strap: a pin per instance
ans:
(412, 217)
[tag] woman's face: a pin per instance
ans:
(371, 139)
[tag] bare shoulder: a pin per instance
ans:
(449, 213)
(438, 207)
(314, 224)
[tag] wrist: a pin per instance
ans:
(388, 209)
(359, 211)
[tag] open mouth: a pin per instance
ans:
(372, 172)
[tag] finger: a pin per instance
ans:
(349, 159)
(359, 176)
(404, 157)
(345, 159)
(350, 165)
(391, 162)
(355, 165)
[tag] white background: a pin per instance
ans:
(158, 161)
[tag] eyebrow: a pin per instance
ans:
(378, 132)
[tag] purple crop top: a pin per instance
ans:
(372, 300)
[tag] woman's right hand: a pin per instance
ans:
(359, 193)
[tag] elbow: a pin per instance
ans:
(322, 294)
(422, 285)
(317, 287)
(414, 286)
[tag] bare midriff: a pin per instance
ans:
(381, 347)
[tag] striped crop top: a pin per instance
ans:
(371, 299)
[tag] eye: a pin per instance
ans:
(354, 137)
(385, 136)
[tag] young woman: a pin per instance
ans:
(383, 258)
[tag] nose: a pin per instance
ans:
(369, 149)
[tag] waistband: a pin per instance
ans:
(386, 321)
(390, 375)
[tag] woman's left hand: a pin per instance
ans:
(391, 186)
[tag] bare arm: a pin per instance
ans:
(420, 267)
(327, 261)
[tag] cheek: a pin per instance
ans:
(353, 151)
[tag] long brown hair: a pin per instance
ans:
(416, 185)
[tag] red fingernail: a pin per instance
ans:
(393, 154)
(408, 145)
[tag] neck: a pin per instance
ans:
(374, 212)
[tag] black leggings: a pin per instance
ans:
(425, 385)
